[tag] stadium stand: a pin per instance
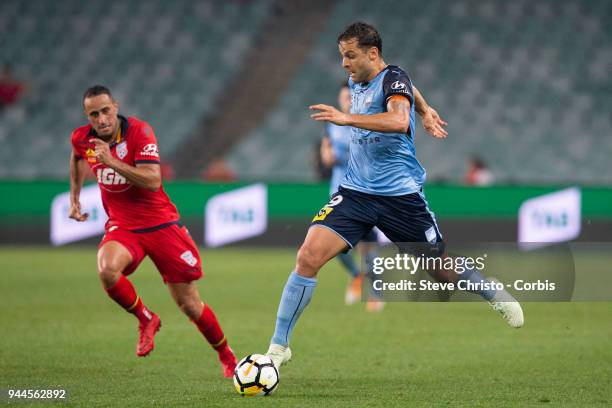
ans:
(525, 85)
(278, 51)
(164, 60)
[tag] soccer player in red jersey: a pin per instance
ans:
(123, 155)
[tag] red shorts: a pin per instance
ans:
(171, 249)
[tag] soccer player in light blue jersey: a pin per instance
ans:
(383, 186)
(334, 153)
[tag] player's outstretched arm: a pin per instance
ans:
(78, 168)
(420, 104)
(432, 122)
(143, 175)
(395, 120)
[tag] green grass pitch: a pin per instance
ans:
(59, 330)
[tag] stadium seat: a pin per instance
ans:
(524, 85)
(164, 61)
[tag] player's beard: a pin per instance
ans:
(108, 135)
(359, 76)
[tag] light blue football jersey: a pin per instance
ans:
(382, 163)
(340, 139)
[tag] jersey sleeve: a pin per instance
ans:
(396, 82)
(146, 146)
(75, 146)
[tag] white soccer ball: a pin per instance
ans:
(255, 375)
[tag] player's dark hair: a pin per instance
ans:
(97, 90)
(367, 36)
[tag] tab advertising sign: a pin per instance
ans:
(236, 215)
(64, 229)
(554, 217)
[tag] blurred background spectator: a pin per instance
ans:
(11, 88)
(477, 173)
(219, 171)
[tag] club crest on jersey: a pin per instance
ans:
(398, 86)
(188, 257)
(150, 150)
(122, 150)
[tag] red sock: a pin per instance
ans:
(123, 292)
(209, 327)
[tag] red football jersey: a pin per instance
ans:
(127, 206)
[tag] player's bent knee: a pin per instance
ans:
(109, 273)
(113, 258)
(309, 261)
(110, 269)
